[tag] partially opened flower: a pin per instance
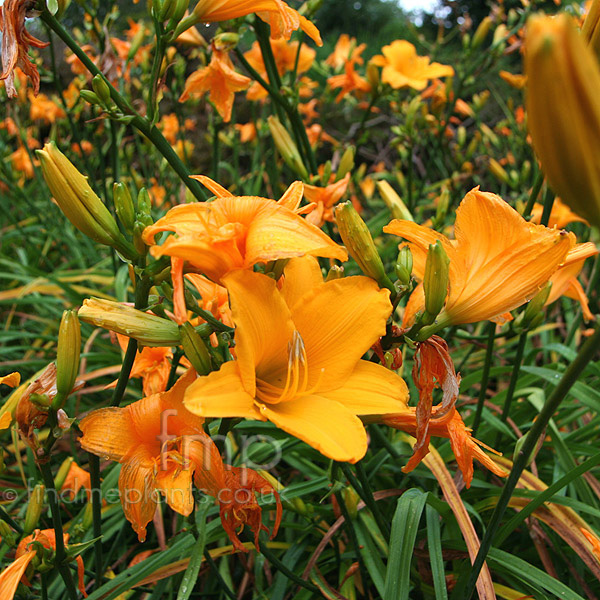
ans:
(498, 261)
(16, 41)
(345, 49)
(236, 232)
(565, 282)
(299, 358)
(162, 447)
(348, 81)
(325, 199)
(285, 20)
(76, 479)
(403, 68)
(220, 79)
(560, 215)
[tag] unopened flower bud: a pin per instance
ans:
(124, 206)
(147, 329)
(67, 358)
(195, 349)
(500, 34)
(79, 202)
(481, 32)
(35, 507)
(286, 146)
(534, 310)
(7, 535)
(226, 41)
(101, 88)
(563, 108)
(498, 171)
(373, 75)
(435, 281)
(404, 266)
(351, 499)
(144, 207)
(89, 97)
(359, 243)
(346, 163)
(397, 207)
(62, 472)
(461, 136)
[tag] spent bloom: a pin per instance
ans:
(299, 358)
(498, 261)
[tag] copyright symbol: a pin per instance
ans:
(9, 495)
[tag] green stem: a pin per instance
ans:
(570, 376)
(140, 123)
(514, 377)
(96, 492)
(535, 191)
(60, 553)
(548, 204)
(159, 52)
(213, 567)
(485, 376)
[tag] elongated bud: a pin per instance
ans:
(404, 266)
(147, 329)
(286, 146)
(435, 282)
(62, 472)
(533, 315)
(67, 358)
(195, 349)
(563, 111)
(35, 507)
(79, 202)
(101, 88)
(7, 535)
(359, 243)
(481, 33)
(90, 97)
(461, 136)
(498, 171)
(346, 163)
(398, 209)
(443, 202)
(591, 28)
(351, 499)
(144, 208)
(500, 34)
(124, 206)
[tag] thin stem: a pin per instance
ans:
(535, 191)
(548, 204)
(514, 377)
(223, 584)
(570, 376)
(96, 492)
(485, 376)
(155, 73)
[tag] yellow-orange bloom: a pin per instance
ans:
(402, 67)
(560, 216)
(299, 358)
(162, 447)
(515, 80)
(220, 79)
(564, 281)
(325, 198)
(498, 261)
(43, 109)
(348, 81)
(16, 41)
(345, 49)
(238, 232)
(563, 111)
(76, 479)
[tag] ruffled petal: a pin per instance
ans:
(176, 485)
(301, 276)
(108, 432)
(10, 577)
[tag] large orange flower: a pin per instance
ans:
(237, 232)
(498, 261)
(16, 41)
(403, 68)
(220, 79)
(299, 358)
(161, 447)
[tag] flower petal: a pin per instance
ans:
(301, 275)
(339, 321)
(176, 485)
(108, 432)
(371, 390)
(323, 424)
(221, 394)
(10, 577)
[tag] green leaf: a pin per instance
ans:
(436, 559)
(191, 573)
(52, 6)
(402, 542)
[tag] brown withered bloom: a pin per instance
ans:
(16, 41)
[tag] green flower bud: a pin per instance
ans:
(286, 146)
(62, 472)
(393, 201)
(35, 507)
(89, 96)
(102, 90)
(67, 358)
(346, 163)
(404, 265)
(124, 206)
(435, 282)
(195, 349)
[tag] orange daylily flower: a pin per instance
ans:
(593, 540)
(403, 68)
(21, 161)
(515, 80)
(76, 479)
(11, 380)
(191, 37)
(325, 198)
(564, 281)
(560, 215)
(349, 81)
(345, 49)
(44, 109)
(15, 572)
(215, 298)
(433, 366)
(169, 126)
(299, 358)
(247, 131)
(162, 447)
(16, 41)
(498, 261)
(238, 232)
(284, 20)
(152, 364)
(316, 134)
(220, 79)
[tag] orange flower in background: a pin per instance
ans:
(564, 281)
(498, 261)
(220, 79)
(44, 109)
(77, 67)
(247, 131)
(21, 161)
(16, 41)
(325, 198)
(236, 232)
(514, 79)
(162, 447)
(299, 358)
(349, 81)
(345, 49)
(403, 68)
(286, 20)
(76, 479)
(153, 365)
(169, 125)
(560, 215)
